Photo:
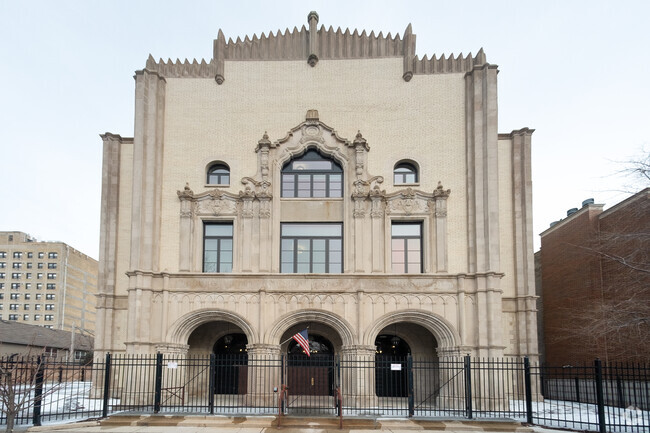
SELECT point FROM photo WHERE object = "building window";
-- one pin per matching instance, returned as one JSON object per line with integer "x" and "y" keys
{"x": 27, "y": 296}
{"x": 41, "y": 255}
{"x": 25, "y": 306}
{"x": 312, "y": 248}
{"x": 37, "y": 317}
{"x": 3, "y": 265}
{"x": 14, "y": 296}
{"x": 3, "y": 254}
{"x": 51, "y": 265}
{"x": 49, "y": 307}
{"x": 18, "y": 255}
{"x": 28, "y": 275}
{"x": 2, "y": 274}
{"x": 311, "y": 175}
{"x": 40, "y": 266}
{"x": 15, "y": 286}
{"x": 405, "y": 172}
{"x": 29, "y": 265}
{"x": 406, "y": 247}
{"x": 13, "y": 317}
{"x": 50, "y": 286}
{"x": 2, "y": 286}
{"x": 219, "y": 174}
{"x": 50, "y": 296}
{"x": 37, "y": 306}
{"x": 17, "y": 265}
{"x": 2, "y": 295}
{"x": 13, "y": 307}
{"x": 47, "y": 326}
{"x": 49, "y": 317}
{"x": 16, "y": 275}
{"x": 25, "y": 316}
{"x": 217, "y": 247}
{"x": 38, "y": 296}
{"x": 39, "y": 286}
{"x": 51, "y": 276}
{"x": 39, "y": 276}
{"x": 52, "y": 255}
{"x": 30, "y": 255}
{"x": 28, "y": 286}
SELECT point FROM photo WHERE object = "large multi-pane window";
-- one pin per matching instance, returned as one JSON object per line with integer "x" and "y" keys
{"x": 406, "y": 247}
{"x": 217, "y": 247}
{"x": 311, "y": 175}
{"x": 312, "y": 248}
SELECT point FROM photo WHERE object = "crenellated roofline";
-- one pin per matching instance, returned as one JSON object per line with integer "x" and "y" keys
{"x": 313, "y": 44}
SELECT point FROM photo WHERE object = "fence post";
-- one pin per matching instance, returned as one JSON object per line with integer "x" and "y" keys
{"x": 409, "y": 382}
{"x": 213, "y": 368}
{"x": 468, "y": 386}
{"x": 529, "y": 391}
{"x": 107, "y": 383}
{"x": 38, "y": 391}
{"x": 158, "y": 383}
{"x": 599, "y": 396}
{"x": 577, "y": 383}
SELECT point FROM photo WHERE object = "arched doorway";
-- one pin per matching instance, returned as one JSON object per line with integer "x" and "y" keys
{"x": 313, "y": 374}
{"x": 391, "y": 375}
{"x": 231, "y": 361}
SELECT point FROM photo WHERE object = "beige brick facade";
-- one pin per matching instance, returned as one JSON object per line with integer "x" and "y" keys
{"x": 366, "y": 103}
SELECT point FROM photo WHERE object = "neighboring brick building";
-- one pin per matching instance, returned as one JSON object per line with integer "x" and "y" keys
{"x": 596, "y": 283}
{"x": 46, "y": 283}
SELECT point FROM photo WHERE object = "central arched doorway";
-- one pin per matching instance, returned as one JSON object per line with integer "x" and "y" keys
{"x": 231, "y": 361}
{"x": 313, "y": 374}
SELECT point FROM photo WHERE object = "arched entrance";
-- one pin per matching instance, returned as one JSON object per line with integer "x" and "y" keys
{"x": 313, "y": 374}
{"x": 231, "y": 361}
{"x": 391, "y": 378}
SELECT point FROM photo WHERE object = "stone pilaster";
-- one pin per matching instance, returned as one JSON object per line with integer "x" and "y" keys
{"x": 523, "y": 242}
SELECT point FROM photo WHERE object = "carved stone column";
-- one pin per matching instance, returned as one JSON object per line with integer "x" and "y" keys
{"x": 263, "y": 373}
{"x": 246, "y": 228}
{"x": 377, "y": 227}
{"x": 186, "y": 228}
{"x": 358, "y": 384}
{"x": 440, "y": 196}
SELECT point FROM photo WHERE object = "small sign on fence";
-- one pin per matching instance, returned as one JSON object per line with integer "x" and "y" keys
{"x": 172, "y": 364}
{"x": 396, "y": 367}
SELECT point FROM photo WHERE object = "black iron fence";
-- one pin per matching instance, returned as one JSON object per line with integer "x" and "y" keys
{"x": 591, "y": 397}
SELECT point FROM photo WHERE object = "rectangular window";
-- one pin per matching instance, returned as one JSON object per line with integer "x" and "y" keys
{"x": 39, "y": 286}
{"x": 2, "y": 295}
{"x": 25, "y": 306}
{"x": 217, "y": 247}
{"x": 25, "y": 316}
{"x": 13, "y": 306}
{"x": 311, "y": 248}
{"x": 51, "y": 286}
{"x": 18, "y": 255}
{"x": 49, "y": 317}
{"x": 2, "y": 286}
{"x": 15, "y": 286}
{"x": 37, "y": 306}
{"x": 3, "y": 265}
{"x": 52, "y": 255}
{"x": 49, "y": 307}
{"x": 38, "y": 296}
{"x": 13, "y": 317}
{"x": 406, "y": 248}
{"x": 27, "y": 296}
{"x": 2, "y": 274}
{"x": 15, "y": 296}
{"x": 28, "y": 286}
{"x": 30, "y": 255}
{"x": 17, "y": 265}
{"x": 51, "y": 276}
{"x": 37, "y": 317}
{"x": 16, "y": 275}
{"x": 51, "y": 265}
{"x": 28, "y": 275}
{"x": 41, "y": 255}
{"x": 39, "y": 276}
{"x": 29, "y": 265}
{"x": 50, "y": 296}
{"x": 3, "y": 254}
{"x": 40, "y": 265}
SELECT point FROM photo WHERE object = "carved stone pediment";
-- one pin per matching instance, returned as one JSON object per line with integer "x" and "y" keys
{"x": 410, "y": 201}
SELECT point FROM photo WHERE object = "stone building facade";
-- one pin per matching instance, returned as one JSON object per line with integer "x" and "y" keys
{"x": 48, "y": 284}
{"x": 595, "y": 283}
{"x": 323, "y": 180}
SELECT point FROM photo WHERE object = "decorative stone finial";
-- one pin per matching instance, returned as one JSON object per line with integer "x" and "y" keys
{"x": 265, "y": 139}
{"x": 312, "y": 15}
{"x": 219, "y": 79}
{"x": 440, "y": 191}
{"x": 312, "y": 115}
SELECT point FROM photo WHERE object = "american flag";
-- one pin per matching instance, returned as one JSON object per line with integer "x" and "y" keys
{"x": 303, "y": 340}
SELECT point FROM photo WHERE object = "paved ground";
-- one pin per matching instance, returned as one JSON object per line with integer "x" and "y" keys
{"x": 200, "y": 424}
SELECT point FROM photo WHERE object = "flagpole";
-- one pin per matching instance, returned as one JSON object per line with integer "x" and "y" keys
{"x": 290, "y": 338}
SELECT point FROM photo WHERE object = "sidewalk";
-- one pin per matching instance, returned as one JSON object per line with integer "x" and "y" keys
{"x": 205, "y": 424}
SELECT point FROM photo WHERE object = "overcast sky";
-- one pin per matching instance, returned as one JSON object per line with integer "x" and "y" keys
{"x": 575, "y": 71}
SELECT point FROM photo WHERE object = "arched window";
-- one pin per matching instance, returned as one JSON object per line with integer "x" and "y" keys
{"x": 405, "y": 172}
{"x": 312, "y": 175}
{"x": 219, "y": 174}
